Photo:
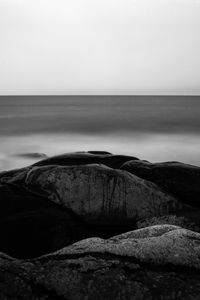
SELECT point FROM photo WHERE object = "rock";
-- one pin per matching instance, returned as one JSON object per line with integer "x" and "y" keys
{"x": 84, "y": 158}
{"x": 159, "y": 262}
{"x": 101, "y": 195}
{"x": 157, "y": 245}
{"x": 31, "y": 225}
{"x": 172, "y": 220}
{"x": 67, "y": 223}
{"x": 68, "y": 159}
{"x": 16, "y": 176}
{"x": 40, "y": 203}
{"x": 16, "y": 199}
{"x": 45, "y": 208}
{"x": 99, "y": 152}
{"x": 181, "y": 180}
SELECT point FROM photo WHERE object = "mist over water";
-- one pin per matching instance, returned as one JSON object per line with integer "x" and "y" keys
{"x": 155, "y": 128}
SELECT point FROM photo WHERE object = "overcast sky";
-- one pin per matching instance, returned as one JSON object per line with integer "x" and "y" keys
{"x": 99, "y": 47}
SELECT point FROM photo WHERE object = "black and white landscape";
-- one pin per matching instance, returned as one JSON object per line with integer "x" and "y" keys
{"x": 99, "y": 150}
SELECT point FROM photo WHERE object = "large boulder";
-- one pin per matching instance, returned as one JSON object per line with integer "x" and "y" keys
{"x": 100, "y": 194}
{"x": 31, "y": 224}
{"x": 68, "y": 159}
{"x": 159, "y": 262}
{"x": 181, "y": 180}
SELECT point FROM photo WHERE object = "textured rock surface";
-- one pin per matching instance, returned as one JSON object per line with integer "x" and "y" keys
{"x": 100, "y": 194}
{"x": 172, "y": 220}
{"x": 181, "y": 180}
{"x": 156, "y": 245}
{"x": 119, "y": 268}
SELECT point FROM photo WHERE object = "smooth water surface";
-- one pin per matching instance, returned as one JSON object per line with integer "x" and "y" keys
{"x": 155, "y": 128}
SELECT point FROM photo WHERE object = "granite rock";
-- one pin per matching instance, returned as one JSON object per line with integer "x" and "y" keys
{"x": 100, "y": 194}
{"x": 159, "y": 262}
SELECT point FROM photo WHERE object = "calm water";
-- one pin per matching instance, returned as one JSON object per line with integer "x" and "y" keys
{"x": 152, "y": 128}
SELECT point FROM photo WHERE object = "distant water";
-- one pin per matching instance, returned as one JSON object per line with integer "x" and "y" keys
{"x": 154, "y": 128}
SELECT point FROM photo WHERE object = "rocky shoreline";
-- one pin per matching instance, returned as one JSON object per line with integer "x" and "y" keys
{"x": 94, "y": 225}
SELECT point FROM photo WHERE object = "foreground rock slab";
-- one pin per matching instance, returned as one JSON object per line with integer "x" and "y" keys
{"x": 157, "y": 245}
{"x": 118, "y": 268}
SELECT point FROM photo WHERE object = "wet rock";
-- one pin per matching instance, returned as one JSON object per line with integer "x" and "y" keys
{"x": 181, "y": 180}
{"x": 100, "y": 194}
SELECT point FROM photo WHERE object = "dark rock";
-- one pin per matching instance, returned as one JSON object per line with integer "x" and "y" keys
{"x": 16, "y": 176}
{"x": 99, "y": 152}
{"x": 159, "y": 262}
{"x": 35, "y": 232}
{"x": 15, "y": 199}
{"x": 101, "y": 195}
{"x": 31, "y": 225}
{"x": 44, "y": 208}
{"x": 181, "y": 180}
{"x": 84, "y": 158}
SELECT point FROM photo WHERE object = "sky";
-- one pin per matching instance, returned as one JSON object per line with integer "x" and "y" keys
{"x": 126, "y": 47}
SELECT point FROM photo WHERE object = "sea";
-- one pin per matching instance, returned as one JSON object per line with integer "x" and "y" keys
{"x": 153, "y": 128}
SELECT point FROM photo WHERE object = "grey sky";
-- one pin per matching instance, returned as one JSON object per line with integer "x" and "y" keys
{"x": 99, "y": 47}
